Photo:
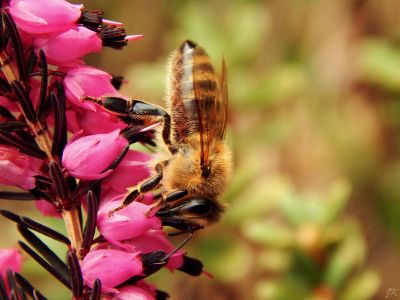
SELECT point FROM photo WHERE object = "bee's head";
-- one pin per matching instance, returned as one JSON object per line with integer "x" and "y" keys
{"x": 190, "y": 213}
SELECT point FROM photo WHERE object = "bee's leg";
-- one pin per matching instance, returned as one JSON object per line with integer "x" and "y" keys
{"x": 146, "y": 186}
{"x": 133, "y": 110}
{"x": 175, "y": 195}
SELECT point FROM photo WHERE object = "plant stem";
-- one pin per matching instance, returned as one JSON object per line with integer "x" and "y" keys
{"x": 74, "y": 231}
{"x": 43, "y": 139}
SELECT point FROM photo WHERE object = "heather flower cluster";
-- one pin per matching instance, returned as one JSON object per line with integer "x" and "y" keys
{"x": 73, "y": 158}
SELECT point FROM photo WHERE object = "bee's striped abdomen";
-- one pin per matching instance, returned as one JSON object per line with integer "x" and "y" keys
{"x": 195, "y": 90}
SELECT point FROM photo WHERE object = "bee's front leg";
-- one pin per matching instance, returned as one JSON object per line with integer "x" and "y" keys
{"x": 172, "y": 196}
{"x": 133, "y": 110}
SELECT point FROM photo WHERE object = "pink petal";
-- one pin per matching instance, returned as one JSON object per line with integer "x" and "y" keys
{"x": 87, "y": 81}
{"x": 136, "y": 292}
{"x": 156, "y": 240}
{"x": 111, "y": 266}
{"x": 88, "y": 157}
{"x": 98, "y": 122}
{"x": 17, "y": 169}
{"x": 132, "y": 169}
{"x": 10, "y": 259}
{"x": 126, "y": 223}
{"x": 47, "y": 209}
{"x": 44, "y": 16}
{"x": 58, "y": 48}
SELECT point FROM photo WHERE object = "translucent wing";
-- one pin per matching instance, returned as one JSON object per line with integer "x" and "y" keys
{"x": 222, "y": 107}
{"x": 198, "y": 98}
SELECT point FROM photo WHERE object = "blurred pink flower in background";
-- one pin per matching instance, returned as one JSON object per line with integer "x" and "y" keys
{"x": 44, "y": 16}
{"x": 10, "y": 259}
{"x": 88, "y": 157}
{"x": 18, "y": 169}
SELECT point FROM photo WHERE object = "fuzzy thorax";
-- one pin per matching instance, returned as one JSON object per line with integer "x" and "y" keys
{"x": 183, "y": 171}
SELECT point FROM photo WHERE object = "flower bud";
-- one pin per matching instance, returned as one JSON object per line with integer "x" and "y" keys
{"x": 87, "y": 81}
{"x": 18, "y": 169}
{"x": 44, "y": 16}
{"x": 131, "y": 170}
{"x": 111, "y": 266}
{"x": 68, "y": 48}
{"x": 126, "y": 223}
{"x": 89, "y": 157}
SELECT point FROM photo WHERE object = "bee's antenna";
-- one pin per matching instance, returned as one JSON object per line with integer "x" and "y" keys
{"x": 179, "y": 246}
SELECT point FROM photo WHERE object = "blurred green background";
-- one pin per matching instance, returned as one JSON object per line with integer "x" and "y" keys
{"x": 314, "y": 208}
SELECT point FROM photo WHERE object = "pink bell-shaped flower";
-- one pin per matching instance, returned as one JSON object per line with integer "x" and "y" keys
{"x": 111, "y": 266}
{"x": 139, "y": 291}
{"x": 94, "y": 122}
{"x": 47, "y": 209}
{"x": 44, "y": 16}
{"x": 156, "y": 240}
{"x": 131, "y": 170}
{"x": 87, "y": 81}
{"x": 89, "y": 157}
{"x": 10, "y": 259}
{"x": 126, "y": 223}
{"x": 18, "y": 169}
{"x": 68, "y": 48}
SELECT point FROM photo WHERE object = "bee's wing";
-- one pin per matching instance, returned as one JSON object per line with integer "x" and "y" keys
{"x": 222, "y": 107}
{"x": 211, "y": 100}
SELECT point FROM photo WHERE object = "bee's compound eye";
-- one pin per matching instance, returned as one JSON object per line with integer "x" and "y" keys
{"x": 198, "y": 207}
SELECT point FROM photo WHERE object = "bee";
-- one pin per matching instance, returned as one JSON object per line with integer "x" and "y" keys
{"x": 197, "y": 167}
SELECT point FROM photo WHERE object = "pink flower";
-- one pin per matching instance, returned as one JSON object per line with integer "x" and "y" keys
{"x": 68, "y": 48}
{"x": 44, "y": 16}
{"x": 89, "y": 157}
{"x": 10, "y": 259}
{"x": 87, "y": 81}
{"x": 18, "y": 169}
{"x": 47, "y": 209}
{"x": 94, "y": 122}
{"x": 132, "y": 169}
{"x": 111, "y": 266}
{"x": 126, "y": 223}
{"x": 72, "y": 121}
{"x": 156, "y": 240}
{"x": 7, "y": 103}
{"x": 140, "y": 291}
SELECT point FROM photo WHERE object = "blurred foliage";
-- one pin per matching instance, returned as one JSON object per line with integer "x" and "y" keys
{"x": 314, "y": 209}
